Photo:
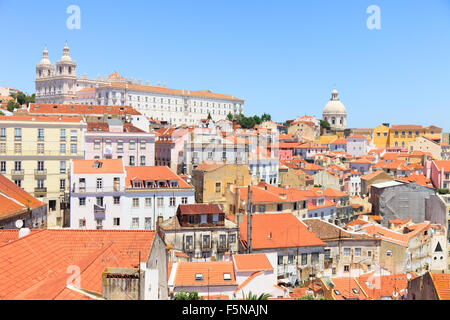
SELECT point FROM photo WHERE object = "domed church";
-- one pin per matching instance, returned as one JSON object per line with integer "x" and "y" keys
{"x": 335, "y": 113}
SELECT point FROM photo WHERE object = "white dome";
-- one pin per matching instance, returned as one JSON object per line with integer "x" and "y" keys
{"x": 45, "y": 60}
{"x": 66, "y": 54}
{"x": 334, "y": 106}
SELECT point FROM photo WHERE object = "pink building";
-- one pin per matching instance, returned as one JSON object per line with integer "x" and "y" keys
{"x": 169, "y": 147}
{"x": 117, "y": 140}
{"x": 439, "y": 173}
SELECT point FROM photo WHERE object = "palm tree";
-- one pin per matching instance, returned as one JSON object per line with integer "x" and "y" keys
{"x": 251, "y": 296}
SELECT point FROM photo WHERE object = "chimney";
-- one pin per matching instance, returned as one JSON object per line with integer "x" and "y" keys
{"x": 122, "y": 284}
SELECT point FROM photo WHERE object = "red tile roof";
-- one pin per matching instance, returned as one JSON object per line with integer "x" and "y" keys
{"x": 106, "y": 166}
{"x": 78, "y": 109}
{"x": 14, "y": 200}
{"x": 282, "y": 230}
{"x": 213, "y": 274}
{"x": 442, "y": 165}
{"x": 252, "y": 262}
{"x": 161, "y": 173}
{"x": 36, "y": 266}
{"x": 41, "y": 118}
{"x": 442, "y": 285}
{"x": 200, "y": 208}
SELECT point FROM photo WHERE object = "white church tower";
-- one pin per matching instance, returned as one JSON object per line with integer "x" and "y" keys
{"x": 65, "y": 78}
{"x": 44, "y": 72}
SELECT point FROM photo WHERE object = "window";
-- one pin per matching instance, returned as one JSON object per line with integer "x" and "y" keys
{"x": 97, "y": 144}
{"x": 357, "y": 252}
{"x": 203, "y": 219}
{"x": 315, "y": 257}
{"x": 18, "y": 183}
{"x": 206, "y": 240}
{"x": 346, "y": 252}
{"x": 227, "y": 276}
{"x": 142, "y": 163}
{"x": 82, "y": 202}
{"x": 280, "y": 260}
{"x": 132, "y": 161}
{"x": 369, "y": 253}
{"x": 148, "y": 202}
{"x": 40, "y": 166}
{"x": 3, "y": 148}
{"x": 62, "y": 135}
{"x": 120, "y": 146}
{"x": 215, "y": 217}
{"x": 232, "y": 238}
{"x": 218, "y": 187}
{"x": 73, "y": 148}
{"x": 116, "y": 222}
{"x": 143, "y": 144}
{"x": 62, "y": 184}
{"x": 116, "y": 200}
{"x": 99, "y": 201}
{"x": 346, "y": 268}
{"x": 40, "y": 148}
{"x": 17, "y": 166}
{"x": 279, "y": 207}
{"x": 62, "y": 148}
{"x": 3, "y": 133}
{"x": 3, "y": 166}
{"x": 304, "y": 259}
{"x": 160, "y": 202}
{"x": 73, "y": 135}
{"x": 148, "y": 223}
{"x": 40, "y": 134}
{"x": 184, "y": 200}
{"x": 17, "y": 148}
{"x": 135, "y": 202}
{"x": 132, "y": 145}
{"x": 99, "y": 183}
{"x": 389, "y": 253}
{"x": 62, "y": 167}
{"x": 290, "y": 259}
{"x": 199, "y": 277}
{"x": 135, "y": 223}
{"x": 18, "y": 134}
{"x": 172, "y": 202}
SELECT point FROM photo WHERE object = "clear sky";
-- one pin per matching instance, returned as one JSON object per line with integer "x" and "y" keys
{"x": 282, "y": 57}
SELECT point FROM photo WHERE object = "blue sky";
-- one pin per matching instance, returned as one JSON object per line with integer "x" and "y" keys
{"x": 283, "y": 57}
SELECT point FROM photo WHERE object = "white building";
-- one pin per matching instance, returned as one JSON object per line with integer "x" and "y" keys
{"x": 61, "y": 85}
{"x": 107, "y": 195}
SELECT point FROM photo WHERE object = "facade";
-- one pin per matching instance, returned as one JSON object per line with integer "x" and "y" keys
{"x": 401, "y": 200}
{"x": 430, "y": 286}
{"x": 211, "y": 180}
{"x": 201, "y": 231}
{"x": 335, "y": 113}
{"x": 35, "y": 152}
{"x": 373, "y": 178}
{"x": 357, "y": 145}
{"x": 427, "y": 145}
{"x": 107, "y": 195}
{"x": 17, "y": 204}
{"x": 169, "y": 147}
{"x": 115, "y": 139}
{"x": 403, "y": 135}
{"x": 439, "y": 173}
{"x": 437, "y": 210}
{"x": 347, "y": 254}
{"x": 264, "y": 166}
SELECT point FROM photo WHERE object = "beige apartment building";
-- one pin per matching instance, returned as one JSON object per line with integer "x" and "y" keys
{"x": 35, "y": 152}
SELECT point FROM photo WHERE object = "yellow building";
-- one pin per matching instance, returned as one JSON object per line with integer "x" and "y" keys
{"x": 402, "y": 135}
{"x": 211, "y": 181}
{"x": 35, "y": 152}
{"x": 381, "y": 136}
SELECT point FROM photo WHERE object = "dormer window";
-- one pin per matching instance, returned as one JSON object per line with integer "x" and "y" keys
{"x": 227, "y": 276}
{"x": 136, "y": 184}
{"x": 199, "y": 277}
{"x": 97, "y": 164}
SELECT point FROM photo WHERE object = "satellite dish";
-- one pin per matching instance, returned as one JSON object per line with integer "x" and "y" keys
{"x": 19, "y": 224}
{"x": 408, "y": 276}
{"x": 395, "y": 294}
{"x": 24, "y": 232}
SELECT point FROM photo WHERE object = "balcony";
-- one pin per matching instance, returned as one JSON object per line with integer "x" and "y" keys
{"x": 189, "y": 247}
{"x": 99, "y": 212}
{"x": 222, "y": 246}
{"x": 206, "y": 245}
{"x": 40, "y": 173}
{"x": 40, "y": 192}
{"x": 17, "y": 173}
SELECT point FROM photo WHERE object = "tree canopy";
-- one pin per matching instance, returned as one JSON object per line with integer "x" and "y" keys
{"x": 249, "y": 122}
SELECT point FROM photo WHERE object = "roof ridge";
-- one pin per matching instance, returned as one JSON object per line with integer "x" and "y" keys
{"x": 28, "y": 235}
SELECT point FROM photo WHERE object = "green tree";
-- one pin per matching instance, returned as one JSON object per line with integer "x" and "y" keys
{"x": 443, "y": 191}
{"x": 325, "y": 124}
{"x": 22, "y": 98}
{"x": 266, "y": 117}
{"x": 310, "y": 297}
{"x": 12, "y": 105}
{"x": 251, "y": 296}
{"x": 183, "y": 295}
{"x": 230, "y": 116}
{"x": 209, "y": 116}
